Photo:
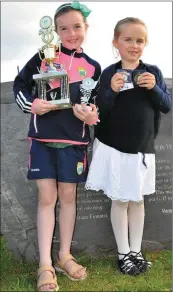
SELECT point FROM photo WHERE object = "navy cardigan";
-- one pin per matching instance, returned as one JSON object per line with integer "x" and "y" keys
{"x": 129, "y": 120}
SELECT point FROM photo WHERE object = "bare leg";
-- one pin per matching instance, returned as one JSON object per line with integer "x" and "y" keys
{"x": 45, "y": 224}
{"x": 67, "y": 217}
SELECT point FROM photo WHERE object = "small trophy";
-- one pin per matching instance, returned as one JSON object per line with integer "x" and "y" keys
{"x": 49, "y": 49}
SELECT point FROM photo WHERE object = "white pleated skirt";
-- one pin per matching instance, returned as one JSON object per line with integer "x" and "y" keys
{"x": 121, "y": 176}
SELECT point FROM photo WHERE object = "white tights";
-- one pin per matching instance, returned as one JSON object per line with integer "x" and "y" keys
{"x": 128, "y": 223}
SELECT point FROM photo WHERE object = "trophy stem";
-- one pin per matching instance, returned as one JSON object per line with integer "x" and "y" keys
{"x": 64, "y": 87}
{"x": 52, "y": 68}
{"x": 42, "y": 89}
{"x": 39, "y": 88}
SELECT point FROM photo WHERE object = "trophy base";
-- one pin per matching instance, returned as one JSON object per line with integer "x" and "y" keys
{"x": 51, "y": 74}
{"x": 63, "y": 103}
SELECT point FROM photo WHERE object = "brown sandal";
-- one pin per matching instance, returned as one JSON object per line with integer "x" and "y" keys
{"x": 60, "y": 267}
{"x": 50, "y": 279}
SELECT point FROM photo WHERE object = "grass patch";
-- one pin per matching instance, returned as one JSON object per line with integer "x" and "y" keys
{"x": 103, "y": 275}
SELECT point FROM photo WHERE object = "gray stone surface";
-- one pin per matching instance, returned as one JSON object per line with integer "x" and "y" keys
{"x": 93, "y": 231}
{"x": 7, "y": 92}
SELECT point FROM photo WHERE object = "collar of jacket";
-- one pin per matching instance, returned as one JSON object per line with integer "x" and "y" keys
{"x": 141, "y": 65}
{"x": 70, "y": 52}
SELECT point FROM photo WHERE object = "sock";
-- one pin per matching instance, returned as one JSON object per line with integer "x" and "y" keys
{"x": 136, "y": 215}
{"x": 119, "y": 222}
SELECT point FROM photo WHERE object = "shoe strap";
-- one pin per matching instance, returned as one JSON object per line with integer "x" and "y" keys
{"x": 138, "y": 255}
{"x": 44, "y": 269}
{"x": 63, "y": 262}
{"x": 124, "y": 254}
{"x": 126, "y": 259}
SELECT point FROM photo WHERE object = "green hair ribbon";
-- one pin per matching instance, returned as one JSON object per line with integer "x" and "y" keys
{"x": 83, "y": 8}
{"x": 77, "y": 6}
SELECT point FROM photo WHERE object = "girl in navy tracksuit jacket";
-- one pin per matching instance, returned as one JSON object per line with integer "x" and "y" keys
{"x": 59, "y": 140}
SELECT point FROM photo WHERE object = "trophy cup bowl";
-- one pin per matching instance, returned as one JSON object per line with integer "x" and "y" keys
{"x": 49, "y": 50}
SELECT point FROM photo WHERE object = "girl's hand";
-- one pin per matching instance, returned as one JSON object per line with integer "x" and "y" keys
{"x": 87, "y": 114}
{"x": 147, "y": 80}
{"x": 41, "y": 107}
{"x": 117, "y": 82}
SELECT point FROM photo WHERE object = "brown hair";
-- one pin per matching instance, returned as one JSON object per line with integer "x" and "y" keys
{"x": 65, "y": 8}
{"x": 128, "y": 20}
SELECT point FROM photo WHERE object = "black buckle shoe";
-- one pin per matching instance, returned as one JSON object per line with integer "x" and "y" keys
{"x": 126, "y": 265}
{"x": 139, "y": 260}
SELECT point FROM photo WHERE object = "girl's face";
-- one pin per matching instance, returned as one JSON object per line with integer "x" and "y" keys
{"x": 71, "y": 28}
{"x": 131, "y": 42}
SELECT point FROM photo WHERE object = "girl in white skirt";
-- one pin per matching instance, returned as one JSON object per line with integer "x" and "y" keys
{"x": 131, "y": 96}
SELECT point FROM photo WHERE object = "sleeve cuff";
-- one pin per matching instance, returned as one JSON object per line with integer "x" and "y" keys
{"x": 92, "y": 121}
{"x": 156, "y": 89}
{"x": 32, "y": 106}
{"x": 112, "y": 92}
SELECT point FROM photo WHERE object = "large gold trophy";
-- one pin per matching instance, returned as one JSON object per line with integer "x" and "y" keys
{"x": 49, "y": 35}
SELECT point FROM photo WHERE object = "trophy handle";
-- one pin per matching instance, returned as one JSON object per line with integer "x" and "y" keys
{"x": 49, "y": 35}
{"x": 39, "y": 53}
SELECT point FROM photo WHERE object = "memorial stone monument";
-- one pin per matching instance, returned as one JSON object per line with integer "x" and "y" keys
{"x": 93, "y": 231}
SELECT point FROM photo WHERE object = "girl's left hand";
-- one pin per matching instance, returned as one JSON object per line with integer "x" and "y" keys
{"x": 147, "y": 80}
{"x": 87, "y": 114}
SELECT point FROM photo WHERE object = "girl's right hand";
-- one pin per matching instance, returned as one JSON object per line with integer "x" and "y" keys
{"x": 41, "y": 107}
{"x": 117, "y": 82}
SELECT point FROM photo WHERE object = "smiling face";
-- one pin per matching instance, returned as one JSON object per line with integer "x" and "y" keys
{"x": 130, "y": 42}
{"x": 71, "y": 28}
